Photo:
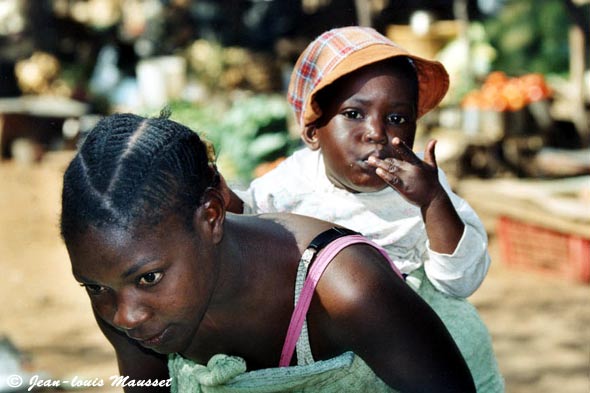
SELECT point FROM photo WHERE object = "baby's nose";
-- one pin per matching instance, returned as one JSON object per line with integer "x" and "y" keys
{"x": 375, "y": 133}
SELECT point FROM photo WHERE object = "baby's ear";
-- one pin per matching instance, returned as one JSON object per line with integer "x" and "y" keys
{"x": 310, "y": 137}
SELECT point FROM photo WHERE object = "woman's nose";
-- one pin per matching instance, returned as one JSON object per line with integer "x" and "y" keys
{"x": 129, "y": 313}
{"x": 375, "y": 132}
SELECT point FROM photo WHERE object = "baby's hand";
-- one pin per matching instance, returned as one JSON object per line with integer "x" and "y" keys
{"x": 415, "y": 179}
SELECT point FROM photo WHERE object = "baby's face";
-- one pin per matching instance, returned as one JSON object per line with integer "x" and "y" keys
{"x": 362, "y": 113}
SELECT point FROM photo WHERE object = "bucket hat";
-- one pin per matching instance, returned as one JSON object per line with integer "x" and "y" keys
{"x": 340, "y": 51}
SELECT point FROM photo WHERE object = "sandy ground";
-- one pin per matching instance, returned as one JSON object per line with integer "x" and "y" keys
{"x": 539, "y": 324}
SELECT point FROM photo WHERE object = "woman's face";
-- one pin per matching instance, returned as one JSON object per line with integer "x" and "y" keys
{"x": 362, "y": 114}
{"x": 153, "y": 284}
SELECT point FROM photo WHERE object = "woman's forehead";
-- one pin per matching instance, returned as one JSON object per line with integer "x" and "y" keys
{"x": 100, "y": 248}
{"x": 117, "y": 247}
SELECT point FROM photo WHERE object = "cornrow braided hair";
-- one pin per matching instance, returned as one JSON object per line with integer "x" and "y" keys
{"x": 132, "y": 170}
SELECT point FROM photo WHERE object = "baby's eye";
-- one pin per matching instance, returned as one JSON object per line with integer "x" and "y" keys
{"x": 396, "y": 119}
{"x": 93, "y": 289}
{"x": 352, "y": 114}
{"x": 150, "y": 279}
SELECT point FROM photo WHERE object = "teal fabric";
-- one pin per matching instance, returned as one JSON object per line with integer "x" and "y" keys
{"x": 227, "y": 374}
{"x": 467, "y": 329}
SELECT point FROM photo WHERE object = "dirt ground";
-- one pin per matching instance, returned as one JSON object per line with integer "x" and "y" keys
{"x": 539, "y": 324}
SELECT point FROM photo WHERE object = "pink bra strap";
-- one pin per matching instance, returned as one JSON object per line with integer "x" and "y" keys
{"x": 322, "y": 260}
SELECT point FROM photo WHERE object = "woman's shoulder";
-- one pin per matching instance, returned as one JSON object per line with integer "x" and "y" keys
{"x": 302, "y": 228}
{"x": 357, "y": 274}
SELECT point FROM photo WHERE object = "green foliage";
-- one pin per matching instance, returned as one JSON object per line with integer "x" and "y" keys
{"x": 530, "y": 36}
{"x": 246, "y": 132}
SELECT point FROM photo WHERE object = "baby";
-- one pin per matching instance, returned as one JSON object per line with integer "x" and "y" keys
{"x": 356, "y": 97}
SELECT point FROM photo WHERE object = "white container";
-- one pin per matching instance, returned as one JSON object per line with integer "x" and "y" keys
{"x": 161, "y": 79}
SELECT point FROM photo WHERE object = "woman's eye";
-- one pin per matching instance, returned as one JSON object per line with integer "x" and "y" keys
{"x": 93, "y": 289}
{"x": 150, "y": 278}
{"x": 396, "y": 119}
{"x": 352, "y": 114}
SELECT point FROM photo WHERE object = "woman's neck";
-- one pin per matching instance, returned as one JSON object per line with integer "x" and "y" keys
{"x": 250, "y": 311}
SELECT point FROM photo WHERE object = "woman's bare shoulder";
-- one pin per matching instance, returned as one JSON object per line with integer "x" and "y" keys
{"x": 303, "y": 228}
{"x": 364, "y": 306}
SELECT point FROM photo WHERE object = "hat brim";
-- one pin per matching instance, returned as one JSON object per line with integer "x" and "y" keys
{"x": 433, "y": 80}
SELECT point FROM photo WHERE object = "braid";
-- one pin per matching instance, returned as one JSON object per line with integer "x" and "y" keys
{"x": 132, "y": 170}
{"x": 101, "y": 150}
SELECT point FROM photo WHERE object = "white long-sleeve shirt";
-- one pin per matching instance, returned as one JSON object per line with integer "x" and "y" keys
{"x": 299, "y": 185}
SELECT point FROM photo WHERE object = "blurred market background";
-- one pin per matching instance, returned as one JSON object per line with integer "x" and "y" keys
{"x": 513, "y": 137}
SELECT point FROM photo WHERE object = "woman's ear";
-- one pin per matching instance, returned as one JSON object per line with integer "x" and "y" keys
{"x": 310, "y": 137}
{"x": 210, "y": 214}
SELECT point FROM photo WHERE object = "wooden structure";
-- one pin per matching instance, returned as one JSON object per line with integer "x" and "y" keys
{"x": 36, "y": 119}
{"x": 541, "y": 225}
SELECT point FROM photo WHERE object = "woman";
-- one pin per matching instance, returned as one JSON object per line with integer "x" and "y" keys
{"x": 177, "y": 284}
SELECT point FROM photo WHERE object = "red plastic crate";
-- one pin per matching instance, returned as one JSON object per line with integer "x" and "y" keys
{"x": 544, "y": 250}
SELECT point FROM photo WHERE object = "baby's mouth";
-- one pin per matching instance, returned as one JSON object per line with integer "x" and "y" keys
{"x": 366, "y": 165}
{"x": 375, "y": 155}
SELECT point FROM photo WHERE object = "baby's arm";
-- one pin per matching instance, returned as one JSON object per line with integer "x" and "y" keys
{"x": 463, "y": 271}
{"x": 458, "y": 259}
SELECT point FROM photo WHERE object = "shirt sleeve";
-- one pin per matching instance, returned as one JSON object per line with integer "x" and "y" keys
{"x": 462, "y": 272}
{"x": 247, "y": 200}
{"x": 257, "y": 198}
{"x": 276, "y": 190}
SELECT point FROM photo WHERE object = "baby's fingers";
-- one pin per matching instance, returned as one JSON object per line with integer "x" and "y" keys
{"x": 378, "y": 162}
{"x": 429, "y": 156}
{"x": 388, "y": 170}
{"x": 403, "y": 152}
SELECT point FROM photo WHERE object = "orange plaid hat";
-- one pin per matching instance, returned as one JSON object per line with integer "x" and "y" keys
{"x": 340, "y": 51}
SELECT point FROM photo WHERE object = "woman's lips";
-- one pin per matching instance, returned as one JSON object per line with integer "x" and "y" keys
{"x": 152, "y": 341}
